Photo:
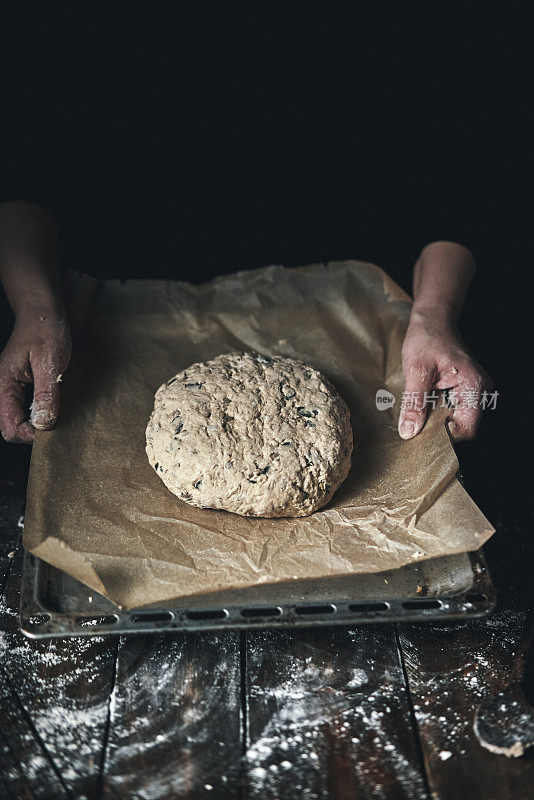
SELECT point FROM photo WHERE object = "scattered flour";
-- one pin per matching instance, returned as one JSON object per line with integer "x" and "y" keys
{"x": 311, "y": 712}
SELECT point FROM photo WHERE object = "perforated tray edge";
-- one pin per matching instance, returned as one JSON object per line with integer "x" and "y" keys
{"x": 38, "y": 622}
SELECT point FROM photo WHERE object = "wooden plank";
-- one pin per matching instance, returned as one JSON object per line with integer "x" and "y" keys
{"x": 62, "y": 687}
{"x": 328, "y": 716}
{"x": 452, "y": 668}
{"x": 7, "y": 773}
{"x": 25, "y": 766}
{"x": 175, "y": 718}
{"x": 37, "y": 778}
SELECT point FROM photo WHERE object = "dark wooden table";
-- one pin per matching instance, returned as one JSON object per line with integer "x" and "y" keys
{"x": 366, "y": 712}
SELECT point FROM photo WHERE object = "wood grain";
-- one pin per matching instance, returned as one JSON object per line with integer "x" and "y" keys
{"x": 328, "y": 716}
{"x": 452, "y": 668}
{"x": 24, "y": 763}
{"x": 175, "y": 718}
{"x": 61, "y": 689}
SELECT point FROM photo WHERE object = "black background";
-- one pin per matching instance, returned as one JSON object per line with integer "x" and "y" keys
{"x": 190, "y": 139}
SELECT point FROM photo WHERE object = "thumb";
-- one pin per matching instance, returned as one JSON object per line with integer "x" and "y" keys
{"x": 45, "y": 406}
{"x": 419, "y": 380}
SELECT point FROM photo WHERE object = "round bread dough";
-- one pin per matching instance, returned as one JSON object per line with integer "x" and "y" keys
{"x": 262, "y": 436}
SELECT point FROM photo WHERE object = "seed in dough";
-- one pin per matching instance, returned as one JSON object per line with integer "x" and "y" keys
{"x": 262, "y": 436}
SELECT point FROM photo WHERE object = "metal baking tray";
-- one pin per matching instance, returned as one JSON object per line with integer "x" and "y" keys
{"x": 440, "y": 589}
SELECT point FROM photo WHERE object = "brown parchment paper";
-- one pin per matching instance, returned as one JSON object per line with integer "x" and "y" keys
{"x": 97, "y": 510}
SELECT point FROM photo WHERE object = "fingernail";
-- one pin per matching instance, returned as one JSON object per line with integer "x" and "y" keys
{"x": 42, "y": 419}
{"x": 407, "y": 429}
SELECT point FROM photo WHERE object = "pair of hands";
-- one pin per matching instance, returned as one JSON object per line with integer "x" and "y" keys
{"x": 434, "y": 357}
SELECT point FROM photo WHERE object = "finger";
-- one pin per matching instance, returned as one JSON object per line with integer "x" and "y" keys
{"x": 419, "y": 378}
{"x": 45, "y": 406}
{"x": 14, "y": 424}
{"x": 467, "y": 412}
{"x": 465, "y": 423}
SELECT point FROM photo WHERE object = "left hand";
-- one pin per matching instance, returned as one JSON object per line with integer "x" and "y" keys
{"x": 435, "y": 357}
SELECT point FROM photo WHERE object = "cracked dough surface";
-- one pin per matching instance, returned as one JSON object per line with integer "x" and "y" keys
{"x": 257, "y": 435}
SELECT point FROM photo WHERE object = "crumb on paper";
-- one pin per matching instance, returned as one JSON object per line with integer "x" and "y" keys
{"x": 58, "y": 379}
{"x": 445, "y": 754}
{"x": 386, "y": 581}
{"x": 90, "y": 598}
{"x": 419, "y": 589}
{"x": 11, "y": 555}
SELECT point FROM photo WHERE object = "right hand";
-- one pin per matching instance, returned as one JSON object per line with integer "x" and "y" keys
{"x": 38, "y": 352}
{"x": 435, "y": 357}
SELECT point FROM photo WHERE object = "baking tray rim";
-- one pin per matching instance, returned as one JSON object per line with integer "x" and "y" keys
{"x": 37, "y": 621}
